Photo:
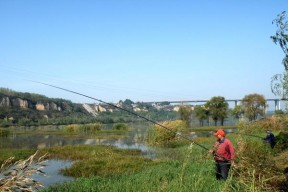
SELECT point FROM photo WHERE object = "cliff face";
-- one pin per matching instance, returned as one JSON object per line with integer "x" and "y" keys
{"x": 16, "y": 102}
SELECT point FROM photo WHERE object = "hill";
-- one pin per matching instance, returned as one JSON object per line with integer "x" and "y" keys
{"x": 34, "y": 109}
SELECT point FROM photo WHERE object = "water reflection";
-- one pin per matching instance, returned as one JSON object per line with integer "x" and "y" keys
{"x": 53, "y": 176}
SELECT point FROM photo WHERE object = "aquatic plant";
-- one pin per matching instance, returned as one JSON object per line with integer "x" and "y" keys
{"x": 85, "y": 128}
{"x": 120, "y": 126}
{"x": 98, "y": 160}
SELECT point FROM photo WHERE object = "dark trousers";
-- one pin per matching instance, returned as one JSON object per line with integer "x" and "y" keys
{"x": 222, "y": 169}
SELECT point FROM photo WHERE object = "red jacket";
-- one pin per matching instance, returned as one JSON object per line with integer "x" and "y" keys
{"x": 223, "y": 148}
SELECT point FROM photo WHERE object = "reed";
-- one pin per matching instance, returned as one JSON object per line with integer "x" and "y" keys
{"x": 18, "y": 176}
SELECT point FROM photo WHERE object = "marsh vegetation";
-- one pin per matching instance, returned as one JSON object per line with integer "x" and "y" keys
{"x": 177, "y": 165}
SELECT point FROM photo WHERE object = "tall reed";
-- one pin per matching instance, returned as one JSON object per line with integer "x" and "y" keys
{"x": 18, "y": 176}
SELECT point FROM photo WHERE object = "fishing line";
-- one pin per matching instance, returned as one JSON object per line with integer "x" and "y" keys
{"x": 128, "y": 111}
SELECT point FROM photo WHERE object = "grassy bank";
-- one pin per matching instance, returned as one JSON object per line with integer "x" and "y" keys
{"x": 189, "y": 169}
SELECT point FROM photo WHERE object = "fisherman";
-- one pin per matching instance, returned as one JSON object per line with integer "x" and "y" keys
{"x": 223, "y": 152}
{"x": 270, "y": 139}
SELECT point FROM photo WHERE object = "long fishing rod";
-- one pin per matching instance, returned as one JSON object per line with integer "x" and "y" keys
{"x": 247, "y": 135}
{"x": 128, "y": 111}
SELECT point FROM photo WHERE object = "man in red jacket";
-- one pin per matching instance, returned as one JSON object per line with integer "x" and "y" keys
{"x": 223, "y": 152}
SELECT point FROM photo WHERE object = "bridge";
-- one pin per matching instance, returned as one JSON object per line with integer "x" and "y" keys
{"x": 236, "y": 102}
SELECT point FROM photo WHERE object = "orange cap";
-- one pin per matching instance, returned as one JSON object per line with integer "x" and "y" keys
{"x": 219, "y": 132}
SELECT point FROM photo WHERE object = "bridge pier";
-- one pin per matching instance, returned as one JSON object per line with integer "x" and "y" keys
{"x": 277, "y": 104}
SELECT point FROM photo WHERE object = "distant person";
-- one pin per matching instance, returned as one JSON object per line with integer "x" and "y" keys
{"x": 223, "y": 152}
{"x": 270, "y": 139}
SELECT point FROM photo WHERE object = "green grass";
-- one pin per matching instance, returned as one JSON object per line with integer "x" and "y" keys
{"x": 183, "y": 168}
{"x": 18, "y": 154}
{"x": 179, "y": 167}
{"x": 193, "y": 171}
{"x": 98, "y": 160}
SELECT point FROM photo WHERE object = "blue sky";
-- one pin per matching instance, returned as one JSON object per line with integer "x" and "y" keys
{"x": 143, "y": 50}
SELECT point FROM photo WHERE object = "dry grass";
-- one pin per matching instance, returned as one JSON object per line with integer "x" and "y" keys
{"x": 18, "y": 176}
{"x": 255, "y": 168}
{"x": 274, "y": 123}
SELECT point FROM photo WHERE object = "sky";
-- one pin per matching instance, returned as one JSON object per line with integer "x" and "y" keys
{"x": 142, "y": 50}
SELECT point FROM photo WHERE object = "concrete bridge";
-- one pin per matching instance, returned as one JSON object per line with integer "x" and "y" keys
{"x": 235, "y": 101}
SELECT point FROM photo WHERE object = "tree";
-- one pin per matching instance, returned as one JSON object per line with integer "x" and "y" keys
{"x": 281, "y": 36}
{"x": 237, "y": 111}
{"x": 185, "y": 113}
{"x": 202, "y": 114}
{"x": 279, "y": 82}
{"x": 279, "y": 85}
{"x": 254, "y": 105}
{"x": 218, "y": 109}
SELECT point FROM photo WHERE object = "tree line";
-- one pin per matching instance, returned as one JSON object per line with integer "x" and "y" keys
{"x": 217, "y": 110}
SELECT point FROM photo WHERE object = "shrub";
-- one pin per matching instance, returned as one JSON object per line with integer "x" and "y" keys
{"x": 255, "y": 167}
{"x": 282, "y": 141}
{"x": 71, "y": 128}
{"x": 120, "y": 126}
{"x": 160, "y": 135}
{"x": 92, "y": 127}
{"x": 4, "y": 133}
{"x": 274, "y": 123}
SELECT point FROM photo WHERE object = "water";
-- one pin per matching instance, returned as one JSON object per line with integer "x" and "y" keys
{"x": 53, "y": 176}
{"x": 31, "y": 140}
{"x": 126, "y": 140}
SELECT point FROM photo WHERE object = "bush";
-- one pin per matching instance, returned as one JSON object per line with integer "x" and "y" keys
{"x": 4, "y": 133}
{"x": 254, "y": 164}
{"x": 120, "y": 126}
{"x": 71, "y": 128}
{"x": 160, "y": 135}
{"x": 91, "y": 128}
{"x": 274, "y": 123}
{"x": 282, "y": 141}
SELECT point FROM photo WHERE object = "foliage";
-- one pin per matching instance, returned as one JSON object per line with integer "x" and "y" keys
{"x": 279, "y": 82}
{"x": 185, "y": 113}
{"x": 237, "y": 111}
{"x": 202, "y": 114}
{"x": 255, "y": 167}
{"x": 159, "y": 135}
{"x": 4, "y": 132}
{"x": 282, "y": 141}
{"x": 281, "y": 35}
{"x": 279, "y": 85}
{"x": 254, "y": 105}
{"x": 120, "y": 127}
{"x": 218, "y": 109}
{"x": 273, "y": 123}
{"x": 84, "y": 128}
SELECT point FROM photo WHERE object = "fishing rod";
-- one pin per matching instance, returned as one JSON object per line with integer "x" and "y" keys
{"x": 128, "y": 111}
{"x": 247, "y": 135}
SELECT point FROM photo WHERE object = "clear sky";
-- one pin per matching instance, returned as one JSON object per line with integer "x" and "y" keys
{"x": 143, "y": 50}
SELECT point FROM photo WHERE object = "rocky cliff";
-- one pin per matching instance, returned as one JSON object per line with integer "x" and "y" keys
{"x": 22, "y": 103}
